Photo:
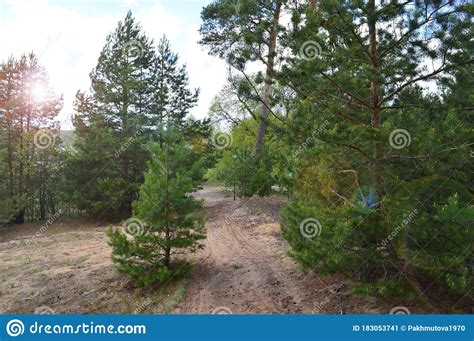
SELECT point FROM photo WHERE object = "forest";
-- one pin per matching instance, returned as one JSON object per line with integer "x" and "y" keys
{"x": 332, "y": 173}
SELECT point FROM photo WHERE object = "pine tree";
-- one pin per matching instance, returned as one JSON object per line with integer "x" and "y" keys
{"x": 135, "y": 90}
{"x": 108, "y": 167}
{"x": 365, "y": 65}
{"x": 28, "y": 130}
{"x": 361, "y": 62}
{"x": 246, "y": 31}
{"x": 166, "y": 221}
{"x": 93, "y": 172}
{"x": 6, "y": 205}
{"x": 172, "y": 96}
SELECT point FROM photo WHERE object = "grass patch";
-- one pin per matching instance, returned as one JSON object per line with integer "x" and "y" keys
{"x": 172, "y": 302}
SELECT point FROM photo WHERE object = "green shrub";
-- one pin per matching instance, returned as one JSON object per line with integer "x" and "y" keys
{"x": 420, "y": 239}
{"x": 437, "y": 246}
{"x": 238, "y": 171}
{"x": 167, "y": 222}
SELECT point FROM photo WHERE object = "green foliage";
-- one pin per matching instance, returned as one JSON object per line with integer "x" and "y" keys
{"x": 261, "y": 181}
{"x": 172, "y": 96}
{"x": 394, "y": 217}
{"x": 341, "y": 78}
{"x": 437, "y": 245}
{"x": 237, "y": 168}
{"x": 7, "y": 209}
{"x": 137, "y": 88}
{"x": 167, "y": 222}
{"x": 424, "y": 238}
{"x": 28, "y": 140}
{"x": 284, "y": 171}
{"x": 229, "y": 34}
{"x": 94, "y": 175}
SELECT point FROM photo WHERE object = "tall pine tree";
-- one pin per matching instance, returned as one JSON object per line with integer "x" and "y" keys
{"x": 112, "y": 116}
{"x": 241, "y": 32}
{"x": 135, "y": 89}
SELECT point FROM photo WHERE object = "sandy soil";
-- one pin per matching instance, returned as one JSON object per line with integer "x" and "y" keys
{"x": 67, "y": 270}
{"x": 244, "y": 268}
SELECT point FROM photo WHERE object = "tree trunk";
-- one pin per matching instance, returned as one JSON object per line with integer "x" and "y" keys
{"x": 10, "y": 160}
{"x": 376, "y": 119}
{"x": 20, "y": 217}
{"x": 51, "y": 203}
{"x": 42, "y": 203}
{"x": 267, "y": 88}
{"x": 167, "y": 260}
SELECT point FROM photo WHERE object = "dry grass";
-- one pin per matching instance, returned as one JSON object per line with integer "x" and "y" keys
{"x": 68, "y": 269}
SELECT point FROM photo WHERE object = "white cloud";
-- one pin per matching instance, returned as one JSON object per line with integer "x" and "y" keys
{"x": 68, "y": 44}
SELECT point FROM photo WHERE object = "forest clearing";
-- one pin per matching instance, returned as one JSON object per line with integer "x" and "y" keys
{"x": 244, "y": 269}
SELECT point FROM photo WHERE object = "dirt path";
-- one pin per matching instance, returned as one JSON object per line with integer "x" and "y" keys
{"x": 245, "y": 269}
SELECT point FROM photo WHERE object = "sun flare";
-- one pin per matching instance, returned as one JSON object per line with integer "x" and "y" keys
{"x": 38, "y": 93}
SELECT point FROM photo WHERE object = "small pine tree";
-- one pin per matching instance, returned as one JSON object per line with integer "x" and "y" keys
{"x": 166, "y": 221}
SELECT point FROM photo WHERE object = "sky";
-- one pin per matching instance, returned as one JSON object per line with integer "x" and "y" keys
{"x": 68, "y": 35}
